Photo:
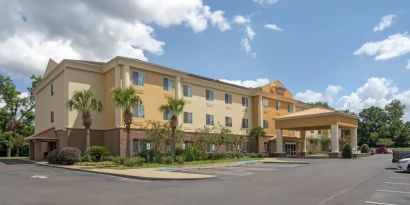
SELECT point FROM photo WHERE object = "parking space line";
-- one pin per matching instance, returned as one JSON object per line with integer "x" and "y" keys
{"x": 373, "y": 202}
{"x": 399, "y": 178}
{"x": 397, "y": 183}
{"x": 391, "y": 191}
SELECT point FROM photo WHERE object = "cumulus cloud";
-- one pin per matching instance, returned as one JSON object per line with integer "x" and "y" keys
{"x": 393, "y": 46}
{"x": 273, "y": 27}
{"x": 385, "y": 22}
{"x": 248, "y": 83}
{"x": 33, "y": 32}
{"x": 310, "y": 96}
{"x": 246, "y": 42}
{"x": 266, "y": 1}
{"x": 239, "y": 19}
{"x": 408, "y": 65}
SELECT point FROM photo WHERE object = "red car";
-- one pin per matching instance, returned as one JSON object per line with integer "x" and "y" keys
{"x": 381, "y": 150}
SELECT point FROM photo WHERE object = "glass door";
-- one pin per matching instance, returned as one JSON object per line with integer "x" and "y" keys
{"x": 290, "y": 149}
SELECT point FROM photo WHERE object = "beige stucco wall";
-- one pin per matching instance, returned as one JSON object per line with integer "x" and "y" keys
{"x": 199, "y": 106}
{"x": 45, "y": 103}
{"x": 109, "y": 108}
{"x": 79, "y": 80}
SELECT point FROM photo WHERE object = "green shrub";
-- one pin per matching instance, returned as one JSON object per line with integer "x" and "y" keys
{"x": 166, "y": 159}
{"x": 97, "y": 152}
{"x": 180, "y": 159}
{"x": 260, "y": 155}
{"x": 194, "y": 153}
{"x": 347, "y": 151}
{"x": 252, "y": 155}
{"x": 69, "y": 155}
{"x": 151, "y": 155}
{"x": 179, "y": 151}
{"x": 134, "y": 161}
{"x": 365, "y": 148}
{"x": 85, "y": 158}
{"x": 118, "y": 160}
{"x": 52, "y": 157}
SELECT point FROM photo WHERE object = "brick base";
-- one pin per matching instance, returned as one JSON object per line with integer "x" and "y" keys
{"x": 334, "y": 155}
{"x": 279, "y": 154}
{"x": 303, "y": 154}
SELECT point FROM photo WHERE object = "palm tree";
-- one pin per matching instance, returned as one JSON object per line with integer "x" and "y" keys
{"x": 85, "y": 102}
{"x": 257, "y": 133}
{"x": 126, "y": 99}
{"x": 175, "y": 107}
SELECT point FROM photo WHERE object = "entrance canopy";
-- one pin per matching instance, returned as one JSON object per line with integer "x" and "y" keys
{"x": 315, "y": 119}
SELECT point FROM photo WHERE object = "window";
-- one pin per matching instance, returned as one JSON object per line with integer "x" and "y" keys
{"x": 186, "y": 144}
{"x": 265, "y": 103}
{"x": 209, "y": 94}
{"x": 265, "y": 124}
{"x": 52, "y": 89}
{"x": 228, "y": 121}
{"x": 187, "y": 117}
{"x": 290, "y": 108}
{"x": 167, "y": 115}
{"x": 52, "y": 116}
{"x": 245, "y": 123}
{"x": 138, "y": 78}
{"x": 139, "y": 111}
{"x": 277, "y": 105}
{"x": 245, "y": 102}
{"x": 210, "y": 148}
{"x": 209, "y": 119}
{"x": 246, "y": 147}
{"x": 187, "y": 90}
{"x": 168, "y": 84}
{"x": 138, "y": 146}
{"x": 228, "y": 98}
{"x": 265, "y": 147}
{"x": 167, "y": 148}
{"x": 229, "y": 148}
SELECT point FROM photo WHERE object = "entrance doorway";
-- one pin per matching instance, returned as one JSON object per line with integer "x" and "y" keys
{"x": 290, "y": 149}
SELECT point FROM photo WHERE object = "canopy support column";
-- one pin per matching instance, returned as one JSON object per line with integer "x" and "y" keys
{"x": 334, "y": 141}
{"x": 279, "y": 144}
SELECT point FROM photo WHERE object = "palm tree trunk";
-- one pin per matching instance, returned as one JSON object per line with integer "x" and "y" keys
{"x": 127, "y": 146}
{"x": 17, "y": 151}
{"x": 9, "y": 147}
{"x": 88, "y": 140}
{"x": 173, "y": 141}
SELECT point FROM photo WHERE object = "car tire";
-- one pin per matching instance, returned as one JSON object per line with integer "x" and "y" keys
{"x": 408, "y": 168}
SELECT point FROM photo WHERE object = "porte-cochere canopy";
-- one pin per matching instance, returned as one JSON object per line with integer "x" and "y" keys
{"x": 315, "y": 119}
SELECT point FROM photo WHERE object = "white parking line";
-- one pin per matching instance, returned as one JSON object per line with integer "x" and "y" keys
{"x": 397, "y": 183}
{"x": 373, "y": 202}
{"x": 399, "y": 178}
{"x": 391, "y": 191}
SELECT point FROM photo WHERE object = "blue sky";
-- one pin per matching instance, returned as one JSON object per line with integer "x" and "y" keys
{"x": 312, "y": 53}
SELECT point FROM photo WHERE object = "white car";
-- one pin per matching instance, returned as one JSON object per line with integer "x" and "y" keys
{"x": 404, "y": 164}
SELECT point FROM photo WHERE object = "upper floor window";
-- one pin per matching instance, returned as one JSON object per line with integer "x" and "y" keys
{"x": 228, "y": 121}
{"x": 265, "y": 124}
{"x": 52, "y": 116}
{"x": 265, "y": 103}
{"x": 277, "y": 105}
{"x": 188, "y": 117}
{"x": 228, "y": 98}
{"x": 187, "y": 90}
{"x": 167, "y": 115}
{"x": 138, "y": 78}
{"x": 245, "y": 101}
{"x": 209, "y": 119}
{"x": 209, "y": 95}
{"x": 290, "y": 108}
{"x": 52, "y": 89}
{"x": 139, "y": 111}
{"x": 168, "y": 84}
{"x": 245, "y": 123}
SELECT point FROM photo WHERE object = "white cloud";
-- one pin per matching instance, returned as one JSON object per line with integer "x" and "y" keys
{"x": 92, "y": 30}
{"x": 248, "y": 83}
{"x": 250, "y": 33}
{"x": 394, "y": 46}
{"x": 266, "y": 1}
{"x": 247, "y": 47}
{"x": 385, "y": 22}
{"x": 408, "y": 64}
{"x": 241, "y": 20}
{"x": 273, "y": 27}
{"x": 310, "y": 96}
{"x": 332, "y": 91}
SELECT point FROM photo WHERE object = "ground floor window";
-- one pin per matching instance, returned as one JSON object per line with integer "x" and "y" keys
{"x": 247, "y": 147}
{"x": 229, "y": 148}
{"x": 138, "y": 146}
{"x": 290, "y": 149}
{"x": 167, "y": 148}
{"x": 209, "y": 148}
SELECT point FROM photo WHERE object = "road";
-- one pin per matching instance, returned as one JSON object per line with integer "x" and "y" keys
{"x": 325, "y": 182}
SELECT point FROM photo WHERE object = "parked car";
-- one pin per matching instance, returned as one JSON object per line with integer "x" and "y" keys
{"x": 398, "y": 155}
{"x": 404, "y": 164}
{"x": 381, "y": 150}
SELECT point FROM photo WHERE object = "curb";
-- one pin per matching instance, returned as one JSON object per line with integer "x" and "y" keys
{"x": 129, "y": 176}
{"x": 285, "y": 162}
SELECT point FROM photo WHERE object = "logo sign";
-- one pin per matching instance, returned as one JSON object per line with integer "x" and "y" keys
{"x": 148, "y": 146}
{"x": 277, "y": 88}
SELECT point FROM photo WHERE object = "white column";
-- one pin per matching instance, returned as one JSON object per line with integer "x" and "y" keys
{"x": 126, "y": 75}
{"x": 260, "y": 117}
{"x": 335, "y": 138}
{"x": 178, "y": 95}
{"x": 303, "y": 140}
{"x": 279, "y": 141}
{"x": 117, "y": 84}
{"x": 353, "y": 138}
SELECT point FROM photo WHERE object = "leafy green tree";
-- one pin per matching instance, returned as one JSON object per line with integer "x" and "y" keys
{"x": 370, "y": 121}
{"x": 314, "y": 141}
{"x": 257, "y": 133}
{"x": 324, "y": 141}
{"x": 175, "y": 107}
{"x": 85, "y": 102}
{"x": 395, "y": 111}
{"x": 126, "y": 99}
{"x": 386, "y": 142}
{"x": 320, "y": 104}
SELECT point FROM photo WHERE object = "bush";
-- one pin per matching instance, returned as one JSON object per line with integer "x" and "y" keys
{"x": 347, "y": 151}
{"x": 166, "y": 159}
{"x": 365, "y": 148}
{"x": 118, "y": 160}
{"x": 69, "y": 155}
{"x": 252, "y": 155}
{"x": 180, "y": 159}
{"x": 134, "y": 161}
{"x": 179, "y": 151}
{"x": 85, "y": 158}
{"x": 260, "y": 155}
{"x": 97, "y": 152}
{"x": 194, "y": 153}
{"x": 52, "y": 157}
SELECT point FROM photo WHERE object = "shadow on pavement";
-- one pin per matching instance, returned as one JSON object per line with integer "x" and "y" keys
{"x": 14, "y": 161}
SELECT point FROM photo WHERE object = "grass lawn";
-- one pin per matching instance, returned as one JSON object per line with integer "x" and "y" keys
{"x": 401, "y": 149}
{"x": 160, "y": 165}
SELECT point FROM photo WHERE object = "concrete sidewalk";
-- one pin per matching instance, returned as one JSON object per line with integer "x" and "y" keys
{"x": 284, "y": 161}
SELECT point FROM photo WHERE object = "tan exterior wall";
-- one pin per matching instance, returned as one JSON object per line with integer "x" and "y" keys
{"x": 45, "y": 103}
{"x": 109, "y": 108}
{"x": 270, "y": 112}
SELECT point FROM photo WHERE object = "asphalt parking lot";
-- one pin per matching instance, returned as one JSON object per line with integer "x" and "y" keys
{"x": 327, "y": 181}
